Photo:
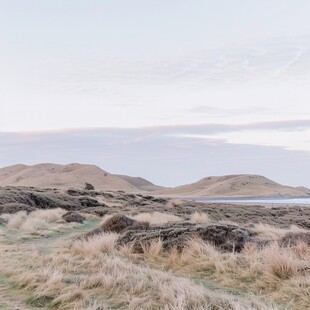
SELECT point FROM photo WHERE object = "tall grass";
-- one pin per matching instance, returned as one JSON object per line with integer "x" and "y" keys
{"x": 96, "y": 273}
{"x": 281, "y": 273}
{"x": 199, "y": 218}
{"x": 154, "y": 218}
{"x": 157, "y": 218}
{"x": 95, "y": 245}
{"x": 37, "y": 221}
{"x": 76, "y": 280}
{"x": 271, "y": 232}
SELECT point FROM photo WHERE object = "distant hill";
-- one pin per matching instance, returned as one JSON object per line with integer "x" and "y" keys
{"x": 63, "y": 176}
{"x": 237, "y": 186}
{"x": 140, "y": 183}
{"x": 76, "y": 175}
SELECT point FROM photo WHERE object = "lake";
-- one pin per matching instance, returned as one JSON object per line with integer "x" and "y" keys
{"x": 263, "y": 201}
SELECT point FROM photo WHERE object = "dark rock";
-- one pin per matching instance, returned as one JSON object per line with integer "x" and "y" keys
{"x": 292, "y": 239}
{"x": 148, "y": 197}
{"x": 45, "y": 199}
{"x": 89, "y": 202}
{"x": 16, "y": 207}
{"x": 98, "y": 231}
{"x": 89, "y": 187}
{"x": 99, "y": 211}
{"x": 51, "y": 200}
{"x": 75, "y": 192}
{"x": 159, "y": 200}
{"x": 75, "y": 217}
{"x": 138, "y": 226}
{"x": 224, "y": 237}
{"x": 80, "y": 192}
{"x": 117, "y": 223}
{"x": 107, "y": 195}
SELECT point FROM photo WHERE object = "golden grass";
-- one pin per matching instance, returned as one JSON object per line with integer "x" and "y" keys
{"x": 279, "y": 273}
{"x": 174, "y": 203}
{"x": 279, "y": 263}
{"x": 39, "y": 221}
{"x": 271, "y": 232}
{"x": 199, "y": 218}
{"x": 76, "y": 280}
{"x": 95, "y": 245}
{"x": 156, "y": 218}
{"x": 94, "y": 274}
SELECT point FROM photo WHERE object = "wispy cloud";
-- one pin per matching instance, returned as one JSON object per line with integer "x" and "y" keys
{"x": 249, "y": 81}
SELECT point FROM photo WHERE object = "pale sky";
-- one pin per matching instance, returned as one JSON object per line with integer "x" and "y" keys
{"x": 77, "y": 64}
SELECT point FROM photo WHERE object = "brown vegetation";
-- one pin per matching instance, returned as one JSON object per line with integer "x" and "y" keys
{"x": 225, "y": 237}
{"x": 153, "y": 254}
{"x": 117, "y": 223}
{"x": 75, "y": 217}
{"x": 293, "y": 239}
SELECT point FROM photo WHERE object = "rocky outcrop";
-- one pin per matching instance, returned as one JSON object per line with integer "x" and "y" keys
{"x": 73, "y": 217}
{"x": 120, "y": 223}
{"x": 117, "y": 224}
{"x": 44, "y": 199}
{"x": 98, "y": 211}
{"x": 11, "y": 208}
{"x": 293, "y": 239}
{"x": 224, "y": 237}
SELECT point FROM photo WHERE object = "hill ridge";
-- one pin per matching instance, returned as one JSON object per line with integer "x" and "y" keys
{"x": 75, "y": 175}
{"x": 62, "y": 176}
{"x": 47, "y": 175}
{"x": 237, "y": 185}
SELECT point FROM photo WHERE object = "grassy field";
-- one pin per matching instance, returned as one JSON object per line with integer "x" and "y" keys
{"x": 39, "y": 270}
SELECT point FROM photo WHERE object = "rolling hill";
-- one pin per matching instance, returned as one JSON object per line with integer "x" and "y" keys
{"x": 237, "y": 186}
{"x": 140, "y": 183}
{"x": 76, "y": 175}
{"x": 63, "y": 176}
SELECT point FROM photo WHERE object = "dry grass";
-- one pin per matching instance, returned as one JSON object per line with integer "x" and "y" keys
{"x": 199, "y": 218}
{"x": 76, "y": 280}
{"x": 157, "y": 218}
{"x": 280, "y": 263}
{"x": 154, "y": 218}
{"x": 50, "y": 216}
{"x": 91, "y": 217}
{"x": 96, "y": 245}
{"x": 270, "y": 232}
{"x": 39, "y": 221}
{"x": 94, "y": 274}
{"x": 16, "y": 220}
{"x": 174, "y": 203}
{"x": 279, "y": 273}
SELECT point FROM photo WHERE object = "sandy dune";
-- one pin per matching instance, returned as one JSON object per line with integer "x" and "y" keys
{"x": 62, "y": 176}
{"x": 237, "y": 186}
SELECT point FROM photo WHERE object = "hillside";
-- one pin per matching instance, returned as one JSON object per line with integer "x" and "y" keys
{"x": 237, "y": 186}
{"x": 140, "y": 183}
{"x": 62, "y": 176}
{"x": 76, "y": 175}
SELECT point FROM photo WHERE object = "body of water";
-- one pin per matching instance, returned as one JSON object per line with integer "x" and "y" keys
{"x": 258, "y": 201}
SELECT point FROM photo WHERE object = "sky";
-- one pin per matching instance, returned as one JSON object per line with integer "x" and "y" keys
{"x": 169, "y": 90}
